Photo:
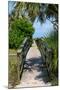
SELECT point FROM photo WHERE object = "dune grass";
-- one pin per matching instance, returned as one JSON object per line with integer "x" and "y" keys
{"x": 13, "y": 74}
{"x": 52, "y": 42}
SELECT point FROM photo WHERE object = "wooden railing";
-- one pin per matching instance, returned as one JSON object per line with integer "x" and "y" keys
{"x": 19, "y": 57}
{"x": 46, "y": 53}
{"x": 21, "y": 54}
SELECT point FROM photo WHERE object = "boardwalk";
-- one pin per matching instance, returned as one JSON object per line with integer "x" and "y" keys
{"x": 35, "y": 72}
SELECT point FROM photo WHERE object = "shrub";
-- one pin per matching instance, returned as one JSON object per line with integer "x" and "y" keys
{"x": 19, "y": 29}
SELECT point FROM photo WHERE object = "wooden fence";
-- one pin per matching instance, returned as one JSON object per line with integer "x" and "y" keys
{"x": 46, "y": 53}
{"x": 20, "y": 57}
{"x": 21, "y": 54}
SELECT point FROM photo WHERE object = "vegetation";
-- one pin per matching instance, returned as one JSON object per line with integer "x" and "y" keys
{"x": 11, "y": 51}
{"x": 13, "y": 74}
{"x": 20, "y": 28}
{"x": 43, "y": 11}
{"x": 52, "y": 42}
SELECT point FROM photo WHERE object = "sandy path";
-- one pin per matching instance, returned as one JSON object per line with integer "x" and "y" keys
{"x": 35, "y": 72}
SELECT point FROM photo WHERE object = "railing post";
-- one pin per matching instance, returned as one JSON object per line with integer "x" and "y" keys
{"x": 49, "y": 58}
{"x": 18, "y": 64}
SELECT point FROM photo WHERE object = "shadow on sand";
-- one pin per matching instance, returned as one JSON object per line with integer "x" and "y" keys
{"x": 39, "y": 65}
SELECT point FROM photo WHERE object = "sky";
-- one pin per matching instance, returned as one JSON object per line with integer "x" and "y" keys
{"x": 41, "y": 30}
{"x": 10, "y": 6}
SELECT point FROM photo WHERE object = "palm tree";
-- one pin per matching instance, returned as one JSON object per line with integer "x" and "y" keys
{"x": 51, "y": 11}
{"x": 32, "y": 10}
